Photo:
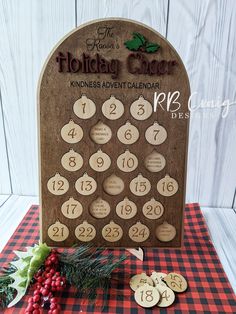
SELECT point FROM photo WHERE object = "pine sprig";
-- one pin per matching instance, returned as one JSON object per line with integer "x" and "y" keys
{"x": 6, "y": 293}
{"x": 88, "y": 269}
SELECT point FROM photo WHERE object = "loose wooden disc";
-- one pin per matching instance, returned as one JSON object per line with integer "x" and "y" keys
{"x": 84, "y": 107}
{"x": 126, "y": 209}
{"x": 176, "y": 282}
{"x": 153, "y": 209}
{"x": 157, "y": 278}
{"x": 127, "y": 161}
{"x": 113, "y": 185}
{"x": 72, "y": 132}
{"x": 72, "y": 208}
{"x": 128, "y": 133}
{"x": 100, "y": 161}
{"x": 139, "y": 232}
{"x": 99, "y": 208}
{"x": 58, "y": 232}
{"x": 58, "y": 185}
{"x": 72, "y": 161}
{"x": 141, "y": 109}
{"x": 155, "y": 162}
{"x": 86, "y": 185}
{"x": 156, "y": 134}
{"x": 140, "y": 186}
{"x": 147, "y": 296}
{"x": 165, "y": 232}
{"x": 167, "y": 296}
{"x": 112, "y": 232}
{"x": 85, "y": 232}
{"x": 167, "y": 186}
{"x": 112, "y": 108}
{"x": 139, "y": 280}
{"x": 100, "y": 133}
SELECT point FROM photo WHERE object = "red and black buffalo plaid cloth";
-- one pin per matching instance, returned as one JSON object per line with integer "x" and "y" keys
{"x": 208, "y": 288}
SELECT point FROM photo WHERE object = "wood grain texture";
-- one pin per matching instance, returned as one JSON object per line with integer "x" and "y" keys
{"x": 4, "y": 198}
{"x": 55, "y": 137}
{"x": 29, "y": 29}
{"x": 221, "y": 225}
{"x": 5, "y": 181}
{"x": 150, "y": 12}
{"x": 11, "y": 214}
{"x": 202, "y": 32}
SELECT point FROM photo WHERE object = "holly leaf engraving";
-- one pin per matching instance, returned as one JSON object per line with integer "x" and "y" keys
{"x": 140, "y": 43}
{"x": 152, "y": 47}
{"x": 140, "y": 37}
{"x": 135, "y": 43}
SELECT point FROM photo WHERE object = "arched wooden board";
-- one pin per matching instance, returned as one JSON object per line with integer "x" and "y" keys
{"x": 91, "y": 86}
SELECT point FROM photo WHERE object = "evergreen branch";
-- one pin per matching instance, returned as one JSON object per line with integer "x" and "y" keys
{"x": 6, "y": 293}
{"x": 88, "y": 269}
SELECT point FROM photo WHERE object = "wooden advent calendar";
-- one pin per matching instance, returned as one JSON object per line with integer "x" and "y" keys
{"x": 113, "y": 101}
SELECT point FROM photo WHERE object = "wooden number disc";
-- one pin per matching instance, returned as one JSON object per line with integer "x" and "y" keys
{"x": 141, "y": 109}
{"x": 85, "y": 232}
{"x": 176, "y": 282}
{"x": 156, "y": 134}
{"x": 72, "y": 161}
{"x": 167, "y": 296}
{"x": 86, "y": 185}
{"x": 71, "y": 209}
{"x": 126, "y": 209}
{"x": 99, "y": 208}
{"x": 165, "y": 232}
{"x": 72, "y": 132}
{"x": 147, "y": 296}
{"x": 139, "y": 280}
{"x": 139, "y": 232}
{"x": 113, "y": 185}
{"x": 100, "y": 133}
{"x": 84, "y": 107}
{"x": 58, "y": 232}
{"x": 100, "y": 161}
{"x": 112, "y": 232}
{"x": 112, "y": 108}
{"x": 58, "y": 185}
{"x": 155, "y": 162}
{"x": 128, "y": 133}
{"x": 127, "y": 161}
{"x": 157, "y": 278}
{"x": 140, "y": 186}
{"x": 167, "y": 186}
{"x": 153, "y": 209}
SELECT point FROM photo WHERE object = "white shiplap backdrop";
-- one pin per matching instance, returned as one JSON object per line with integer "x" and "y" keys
{"x": 202, "y": 31}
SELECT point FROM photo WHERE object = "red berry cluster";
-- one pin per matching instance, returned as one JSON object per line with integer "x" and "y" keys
{"x": 48, "y": 281}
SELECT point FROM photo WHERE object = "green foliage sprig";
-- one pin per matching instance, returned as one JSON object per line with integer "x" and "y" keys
{"x": 6, "y": 292}
{"x": 88, "y": 269}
